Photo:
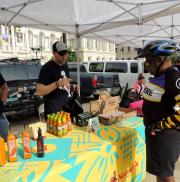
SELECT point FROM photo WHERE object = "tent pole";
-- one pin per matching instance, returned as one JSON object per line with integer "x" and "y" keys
{"x": 21, "y": 4}
{"x": 78, "y": 59}
{"x": 64, "y": 38}
{"x": 17, "y": 13}
{"x": 172, "y": 27}
{"x": 91, "y": 30}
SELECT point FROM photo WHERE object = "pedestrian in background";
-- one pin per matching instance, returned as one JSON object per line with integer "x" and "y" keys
{"x": 139, "y": 85}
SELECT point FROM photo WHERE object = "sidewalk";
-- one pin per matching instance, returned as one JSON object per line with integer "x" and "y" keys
{"x": 151, "y": 178}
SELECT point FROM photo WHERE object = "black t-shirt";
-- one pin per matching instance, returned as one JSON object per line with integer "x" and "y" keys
{"x": 2, "y": 81}
{"x": 49, "y": 73}
{"x": 159, "y": 96}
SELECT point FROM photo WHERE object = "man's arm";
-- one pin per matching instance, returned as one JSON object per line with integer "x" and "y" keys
{"x": 173, "y": 120}
{"x": 4, "y": 89}
{"x": 173, "y": 90}
{"x": 42, "y": 89}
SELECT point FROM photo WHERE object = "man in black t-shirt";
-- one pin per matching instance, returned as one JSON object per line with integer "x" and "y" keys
{"x": 4, "y": 124}
{"x": 161, "y": 109}
{"x": 53, "y": 81}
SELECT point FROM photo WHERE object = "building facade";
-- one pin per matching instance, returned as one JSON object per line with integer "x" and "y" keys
{"x": 93, "y": 49}
{"x": 126, "y": 52}
{"x": 28, "y": 43}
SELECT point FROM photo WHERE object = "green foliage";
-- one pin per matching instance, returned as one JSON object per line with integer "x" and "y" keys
{"x": 71, "y": 55}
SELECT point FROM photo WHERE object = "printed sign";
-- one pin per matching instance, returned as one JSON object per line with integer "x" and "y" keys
{"x": 93, "y": 124}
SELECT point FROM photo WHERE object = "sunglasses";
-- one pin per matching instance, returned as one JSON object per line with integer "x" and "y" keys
{"x": 62, "y": 53}
{"x": 149, "y": 62}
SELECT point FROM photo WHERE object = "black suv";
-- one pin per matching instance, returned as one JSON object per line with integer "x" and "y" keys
{"x": 21, "y": 78}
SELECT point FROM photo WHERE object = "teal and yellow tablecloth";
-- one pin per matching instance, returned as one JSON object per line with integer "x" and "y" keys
{"x": 110, "y": 155}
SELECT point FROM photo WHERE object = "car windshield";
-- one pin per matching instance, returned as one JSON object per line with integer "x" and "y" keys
{"x": 73, "y": 68}
{"x": 96, "y": 67}
{"x": 17, "y": 72}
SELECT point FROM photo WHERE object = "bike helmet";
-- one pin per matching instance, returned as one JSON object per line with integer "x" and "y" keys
{"x": 158, "y": 48}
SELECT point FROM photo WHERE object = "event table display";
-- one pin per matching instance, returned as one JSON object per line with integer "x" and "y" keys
{"x": 113, "y": 153}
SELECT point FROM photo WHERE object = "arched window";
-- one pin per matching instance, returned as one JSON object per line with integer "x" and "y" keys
{"x": 41, "y": 40}
{"x": 47, "y": 42}
{"x": 104, "y": 46}
{"x": 35, "y": 41}
{"x": 52, "y": 39}
{"x": 30, "y": 37}
{"x": 89, "y": 43}
{"x": 97, "y": 44}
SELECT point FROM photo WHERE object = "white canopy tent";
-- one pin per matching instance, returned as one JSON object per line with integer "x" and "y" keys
{"x": 165, "y": 26}
{"x": 82, "y": 17}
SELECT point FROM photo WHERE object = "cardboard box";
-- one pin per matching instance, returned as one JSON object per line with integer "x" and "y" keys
{"x": 122, "y": 115}
{"x": 33, "y": 129}
{"x": 108, "y": 110}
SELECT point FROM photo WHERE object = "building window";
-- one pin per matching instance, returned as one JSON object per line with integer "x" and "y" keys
{"x": 19, "y": 37}
{"x": 135, "y": 49}
{"x": 128, "y": 49}
{"x": 108, "y": 46}
{"x": 41, "y": 40}
{"x": 111, "y": 58}
{"x": 128, "y": 58}
{"x": 52, "y": 39}
{"x": 122, "y": 49}
{"x": 111, "y": 47}
{"x": 97, "y": 44}
{"x": 89, "y": 43}
{"x": 116, "y": 49}
{"x": 47, "y": 42}
{"x": 122, "y": 58}
{"x": 104, "y": 46}
{"x": 30, "y": 36}
{"x": 72, "y": 43}
{"x": 35, "y": 42}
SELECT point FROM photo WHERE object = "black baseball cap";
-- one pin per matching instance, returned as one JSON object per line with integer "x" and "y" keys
{"x": 59, "y": 47}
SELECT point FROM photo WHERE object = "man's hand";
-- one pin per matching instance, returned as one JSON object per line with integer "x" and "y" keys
{"x": 63, "y": 82}
{"x": 154, "y": 129}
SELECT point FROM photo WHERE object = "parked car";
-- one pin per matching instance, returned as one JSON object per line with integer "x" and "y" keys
{"x": 94, "y": 83}
{"x": 21, "y": 79}
{"x": 127, "y": 70}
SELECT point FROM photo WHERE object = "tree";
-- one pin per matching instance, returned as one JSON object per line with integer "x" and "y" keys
{"x": 71, "y": 55}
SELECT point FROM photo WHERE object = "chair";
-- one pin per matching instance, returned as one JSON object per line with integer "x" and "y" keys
{"x": 41, "y": 111}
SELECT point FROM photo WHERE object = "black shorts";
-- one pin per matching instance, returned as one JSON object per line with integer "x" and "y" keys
{"x": 162, "y": 152}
